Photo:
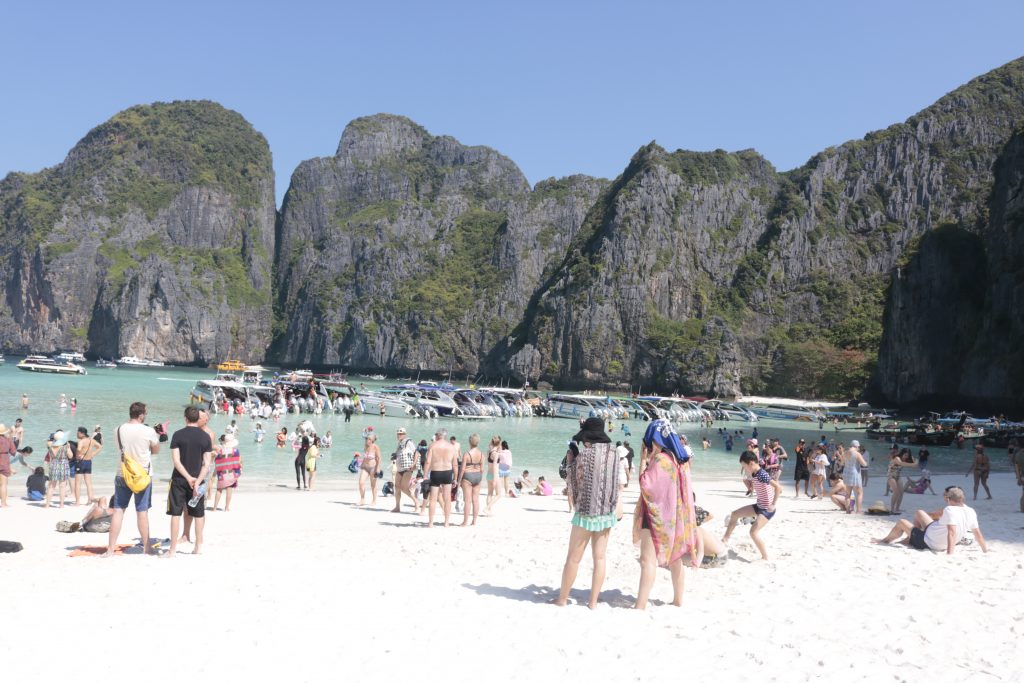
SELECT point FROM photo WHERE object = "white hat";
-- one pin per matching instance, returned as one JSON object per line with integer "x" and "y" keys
{"x": 855, "y": 444}
{"x": 401, "y": 430}
{"x": 3, "y": 429}
{"x": 59, "y": 438}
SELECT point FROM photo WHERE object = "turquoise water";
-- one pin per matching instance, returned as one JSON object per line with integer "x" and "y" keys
{"x": 537, "y": 444}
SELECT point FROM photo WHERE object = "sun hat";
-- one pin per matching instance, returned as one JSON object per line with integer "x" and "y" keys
{"x": 3, "y": 429}
{"x": 752, "y": 443}
{"x": 59, "y": 438}
{"x": 592, "y": 431}
{"x": 878, "y": 508}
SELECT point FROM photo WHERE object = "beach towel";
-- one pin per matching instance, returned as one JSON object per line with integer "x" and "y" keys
{"x": 666, "y": 508}
{"x": 228, "y": 466}
{"x": 97, "y": 550}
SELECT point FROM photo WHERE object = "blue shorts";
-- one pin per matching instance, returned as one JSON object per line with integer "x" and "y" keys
{"x": 84, "y": 467}
{"x": 122, "y": 494}
{"x": 72, "y": 468}
{"x": 504, "y": 471}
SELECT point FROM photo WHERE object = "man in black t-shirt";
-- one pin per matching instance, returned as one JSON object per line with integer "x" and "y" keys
{"x": 192, "y": 452}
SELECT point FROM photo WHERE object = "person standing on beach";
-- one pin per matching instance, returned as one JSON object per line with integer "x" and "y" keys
{"x": 470, "y": 474}
{"x": 665, "y": 521}
{"x": 204, "y": 424}
{"x": 593, "y": 471}
{"x": 369, "y": 465}
{"x": 801, "y": 472}
{"x": 192, "y": 454}
{"x": 60, "y": 454}
{"x": 493, "y": 484}
{"x": 7, "y": 450}
{"x": 87, "y": 450}
{"x": 140, "y": 442}
{"x": 405, "y": 465}
{"x": 17, "y": 434}
{"x": 852, "y": 464}
{"x": 767, "y": 491}
{"x": 300, "y": 464}
{"x": 442, "y": 460}
{"x": 312, "y": 455}
{"x": 980, "y": 468}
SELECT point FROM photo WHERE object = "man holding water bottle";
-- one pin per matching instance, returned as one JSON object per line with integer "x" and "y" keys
{"x": 192, "y": 453}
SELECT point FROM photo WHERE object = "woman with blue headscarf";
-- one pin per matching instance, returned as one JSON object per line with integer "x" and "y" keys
{"x": 665, "y": 523}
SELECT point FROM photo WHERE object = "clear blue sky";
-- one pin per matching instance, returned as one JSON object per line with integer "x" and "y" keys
{"x": 559, "y": 87}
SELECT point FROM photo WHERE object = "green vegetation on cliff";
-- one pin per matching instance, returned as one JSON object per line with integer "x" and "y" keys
{"x": 143, "y": 158}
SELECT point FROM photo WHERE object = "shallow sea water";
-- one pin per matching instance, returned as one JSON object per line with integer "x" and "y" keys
{"x": 537, "y": 444}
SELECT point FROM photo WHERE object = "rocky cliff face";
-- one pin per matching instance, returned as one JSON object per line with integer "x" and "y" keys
{"x": 408, "y": 250}
{"x": 153, "y": 238}
{"x": 711, "y": 273}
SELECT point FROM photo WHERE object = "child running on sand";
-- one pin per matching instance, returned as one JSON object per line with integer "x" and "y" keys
{"x": 767, "y": 490}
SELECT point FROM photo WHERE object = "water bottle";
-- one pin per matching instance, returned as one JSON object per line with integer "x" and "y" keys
{"x": 195, "y": 499}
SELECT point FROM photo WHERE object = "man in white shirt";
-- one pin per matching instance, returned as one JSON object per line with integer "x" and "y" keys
{"x": 138, "y": 441}
{"x": 939, "y": 531}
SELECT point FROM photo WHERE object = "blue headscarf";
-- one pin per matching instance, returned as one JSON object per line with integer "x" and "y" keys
{"x": 663, "y": 434}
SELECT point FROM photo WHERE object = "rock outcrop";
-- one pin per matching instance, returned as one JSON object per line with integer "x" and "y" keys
{"x": 153, "y": 238}
{"x": 413, "y": 251}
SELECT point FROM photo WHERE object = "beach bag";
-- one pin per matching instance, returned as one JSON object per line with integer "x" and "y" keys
{"x": 353, "y": 466}
{"x": 563, "y": 469}
{"x": 389, "y": 488}
{"x": 135, "y": 475}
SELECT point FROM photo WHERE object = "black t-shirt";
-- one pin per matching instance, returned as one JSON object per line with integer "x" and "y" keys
{"x": 191, "y": 443}
{"x": 37, "y": 482}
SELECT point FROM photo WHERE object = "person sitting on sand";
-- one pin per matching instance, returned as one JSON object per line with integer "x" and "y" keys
{"x": 97, "y": 519}
{"x": 764, "y": 509}
{"x": 715, "y": 552}
{"x": 523, "y": 483}
{"x": 927, "y": 533}
{"x": 36, "y": 484}
{"x": 543, "y": 488}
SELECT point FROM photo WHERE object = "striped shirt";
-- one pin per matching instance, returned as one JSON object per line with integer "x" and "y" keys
{"x": 763, "y": 488}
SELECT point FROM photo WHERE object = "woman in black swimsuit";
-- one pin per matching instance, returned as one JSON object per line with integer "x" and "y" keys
{"x": 300, "y": 464}
{"x": 471, "y": 473}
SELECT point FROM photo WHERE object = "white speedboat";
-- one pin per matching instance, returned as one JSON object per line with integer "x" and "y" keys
{"x": 780, "y": 411}
{"x": 50, "y": 365}
{"x": 728, "y": 411}
{"x": 133, "y": 362}
{"x": 70, "y": 357}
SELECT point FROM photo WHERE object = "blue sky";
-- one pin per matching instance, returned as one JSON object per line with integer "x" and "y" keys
{"x": 559, "y": 87}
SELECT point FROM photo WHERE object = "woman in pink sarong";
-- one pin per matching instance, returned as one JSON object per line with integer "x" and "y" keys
{"x": 665, "y": 523}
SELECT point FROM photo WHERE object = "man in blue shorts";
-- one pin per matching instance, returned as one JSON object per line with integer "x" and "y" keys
{"x": 767, "y": 491}
{"x": 137, "y": 441}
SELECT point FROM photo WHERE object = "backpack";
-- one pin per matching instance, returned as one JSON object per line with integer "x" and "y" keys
{"x": 389, "y": 488}
{"x": 353, "y": 466}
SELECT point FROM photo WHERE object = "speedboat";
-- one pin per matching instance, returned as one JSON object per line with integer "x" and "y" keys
{"x": 100, "y": 363}
{"x": 728, "y": 411}
{"x": 133, "y": 362}
{"x": 50, "y": 365}
{"x": 70, "y": 357}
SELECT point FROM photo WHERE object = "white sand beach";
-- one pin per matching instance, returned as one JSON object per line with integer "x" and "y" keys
{"x": 306, "y": 586}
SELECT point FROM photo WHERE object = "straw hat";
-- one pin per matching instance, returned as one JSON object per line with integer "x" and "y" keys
{"x": 878, "y": 508}
{"x": 3, "y": 429}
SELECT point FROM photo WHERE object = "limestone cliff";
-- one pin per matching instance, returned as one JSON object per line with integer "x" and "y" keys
{"x": 409, "y": 250}
{"x": 152, "y": 238}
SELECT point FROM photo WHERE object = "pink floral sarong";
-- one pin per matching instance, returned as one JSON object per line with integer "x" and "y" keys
{"x": 666, "y": 505}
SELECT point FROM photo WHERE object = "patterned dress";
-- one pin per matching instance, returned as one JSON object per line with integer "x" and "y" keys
{"x": 60, "y": 464}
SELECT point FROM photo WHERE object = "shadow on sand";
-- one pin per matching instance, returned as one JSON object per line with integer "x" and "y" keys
{"x": 545, "y": 594}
